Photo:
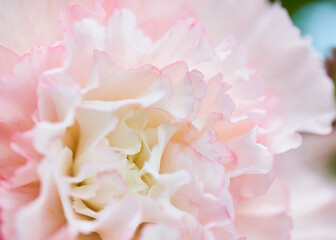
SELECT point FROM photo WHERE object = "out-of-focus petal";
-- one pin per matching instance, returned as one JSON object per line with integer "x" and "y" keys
{"x": 35, "y": 23}
{"x": 285, "y": 62}
{"x": 311, "y": 187}
{"x": 265, "y": 217}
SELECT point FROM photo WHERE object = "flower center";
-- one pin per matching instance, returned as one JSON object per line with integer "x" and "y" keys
{"x": 110, "y": 166}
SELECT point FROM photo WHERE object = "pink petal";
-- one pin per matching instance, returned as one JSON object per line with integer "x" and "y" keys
{"x": 185, "y": 41}
{"x": 155, "y": 17}
{"x": 12, "y": 201}
{"x": 11, "y": 59}
{"x": 159, "y": 231}
{"x": 266, "y": 216}
{"x": 18, "y": 91}
{"x": 311, "y": 188}
{"x": 40, "y": 17}
{"x": 115, "y": 84}
{"x": 46, "y": 210}
{"x": 305, "y": 92}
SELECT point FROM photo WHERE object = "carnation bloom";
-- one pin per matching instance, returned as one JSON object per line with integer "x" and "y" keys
{"x": 152, "y": 119}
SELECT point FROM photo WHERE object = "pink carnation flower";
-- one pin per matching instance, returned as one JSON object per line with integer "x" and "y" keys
{"x": 148, "y": 120}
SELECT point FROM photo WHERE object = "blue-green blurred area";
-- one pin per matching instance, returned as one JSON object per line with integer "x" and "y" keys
{"x": 316, "y": 19}
{"x": 293, "y": 5}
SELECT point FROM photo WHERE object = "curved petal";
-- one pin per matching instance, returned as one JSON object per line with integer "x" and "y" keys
{"x": 286, "y": 63}
{"x": 265, "y": 217}
{"x": 155, "y": 17}
{"x": 35, "y": 23}
{"x": 312, "y": 189}
{"x": 11, "y": 58}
